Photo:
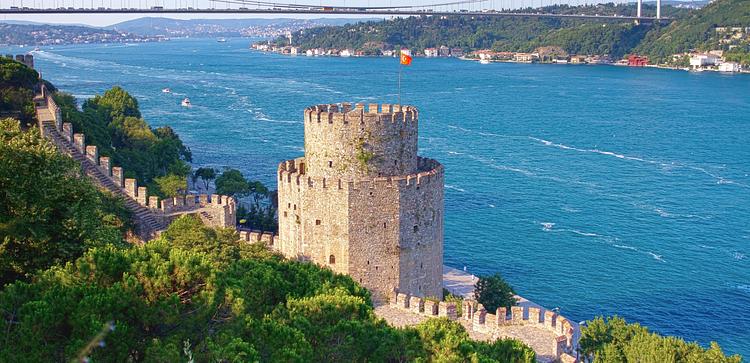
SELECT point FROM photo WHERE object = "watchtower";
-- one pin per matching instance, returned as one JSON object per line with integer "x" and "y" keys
{"x": 362, "y": 202}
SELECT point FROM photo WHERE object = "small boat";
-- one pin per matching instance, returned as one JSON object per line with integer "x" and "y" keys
{"x": 186, "y": 102}
{"x": 221, "y": 40}
{"x": 166, "y": 90}
{"x": 484, "y": 61}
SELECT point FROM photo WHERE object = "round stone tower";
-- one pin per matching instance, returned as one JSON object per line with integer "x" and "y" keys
{"x": 362, "y": 202}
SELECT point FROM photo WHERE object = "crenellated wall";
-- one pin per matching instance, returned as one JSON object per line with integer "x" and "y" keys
{"x": 151, "y": 214}
{"x": 215, "y": 210}
{"x": 346, "y": 142}
{"x": 477, "y": 317}
{"x": 383, "y": 224}
{"x": 26, "y": 59}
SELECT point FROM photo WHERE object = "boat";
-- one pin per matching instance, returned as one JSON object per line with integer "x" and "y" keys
{"x": 166, "y": 90}
{"x": 484, "y": 61}
{"x": 221, "y": 40}
{"x": 186, "y": 102}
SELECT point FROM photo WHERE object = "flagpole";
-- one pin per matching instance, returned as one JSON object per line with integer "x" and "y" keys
{"x": 399, "y": 81}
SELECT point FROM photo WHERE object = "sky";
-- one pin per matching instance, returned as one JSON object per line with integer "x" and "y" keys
{"x": 109, "y": 19}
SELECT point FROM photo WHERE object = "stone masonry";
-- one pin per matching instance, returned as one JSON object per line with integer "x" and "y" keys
{"x": 362, "y": 202}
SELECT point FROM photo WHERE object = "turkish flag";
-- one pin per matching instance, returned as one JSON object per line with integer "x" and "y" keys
{"x": 405, "y": 57}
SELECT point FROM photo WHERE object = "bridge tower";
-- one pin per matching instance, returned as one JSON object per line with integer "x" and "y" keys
{"x": 362, "y": 202}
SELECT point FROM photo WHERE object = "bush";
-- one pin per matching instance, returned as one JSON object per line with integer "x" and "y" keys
{"x": 493, "y": 292}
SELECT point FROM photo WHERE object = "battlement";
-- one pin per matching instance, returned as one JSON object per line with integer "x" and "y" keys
{"x": 26, "y": 59}
{"x": 481, "y": 321}
{"x": 293, "y": 172}
{"x": 150, "y": 213}
{"x": 344, "y": 113}
{"x": 361, "y": 141}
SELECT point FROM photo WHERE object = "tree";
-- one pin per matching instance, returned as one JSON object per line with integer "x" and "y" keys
{"x": 171, "y": 185}
{"x": 206, "y": 175}
{"x": 493, "y": 292}
{"x": 614, "y": 340}
{"x": 232, "y": 183}
{"x": 49, "y": 214}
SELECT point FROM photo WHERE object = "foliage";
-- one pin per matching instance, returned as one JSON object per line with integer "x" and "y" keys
{"x": 258, "y": 208}
{"x": 231, "y": 182}
{"x": 696, "y": 31}
{"x": 494, "y": 292}
{"x": 205, "y": 174}
{"x": 49, "y": 214}
{"x": 170, "y": 186}
{"x": 17, "y": 90}
{"x": 113, "y": 123}
{"x": 200, "y": 292}
{"x": 448, "y": 341}
{"x": 613, "y": 340}
{"x": 517, "y": 34}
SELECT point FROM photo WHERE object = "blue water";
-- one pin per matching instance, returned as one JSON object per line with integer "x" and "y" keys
{"x": 596, "y": 189}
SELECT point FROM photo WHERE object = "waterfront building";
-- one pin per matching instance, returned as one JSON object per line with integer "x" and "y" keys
{"x": 703, "y": 60}
{"x": 444, "y": 51}
{"x": 729, "y": 67}
{"x": 430, "y": 52}
{"x": 457, "y": 52}
{"x": 524, "y": 57}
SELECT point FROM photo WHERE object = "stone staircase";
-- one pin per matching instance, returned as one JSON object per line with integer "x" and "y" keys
{"x": 148, "y": 226}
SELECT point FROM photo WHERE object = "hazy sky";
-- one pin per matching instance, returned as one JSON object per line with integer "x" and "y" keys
{"x": 102, "y": 20}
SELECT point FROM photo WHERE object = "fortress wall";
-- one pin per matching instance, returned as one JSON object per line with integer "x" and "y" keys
{"x": 565, "y": 332}
{"x": 313, "y": 217}
{"x": 421, "y": 232}
{"x": 337, "y": 142}
{"x": 26, "y": 59}
{"x": 374, "y": 227}
{"x": 361, "y": 224}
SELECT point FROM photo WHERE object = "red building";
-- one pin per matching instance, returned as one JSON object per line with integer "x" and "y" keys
{"x": 637, "y": 60}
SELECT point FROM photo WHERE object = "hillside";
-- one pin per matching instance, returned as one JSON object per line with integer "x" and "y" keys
{"x": 43, "y": 34}
{"x": 698, "y": 30}
{"x": 500, "y": 34}
{"x": 152, "y": 26}
{"x": 692, "y": 29}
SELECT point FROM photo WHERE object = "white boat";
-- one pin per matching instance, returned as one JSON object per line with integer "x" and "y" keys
{"x": 166, "y": 90}
{"x": 221, "y": 40}
{"x": 186, "y": 102}
{"x": 484, "y": 61}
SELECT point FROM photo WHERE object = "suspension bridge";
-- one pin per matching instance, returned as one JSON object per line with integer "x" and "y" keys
{"x": 497, "y": 8}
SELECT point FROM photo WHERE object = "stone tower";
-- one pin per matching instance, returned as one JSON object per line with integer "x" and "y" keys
{"x": 362, "y": 202}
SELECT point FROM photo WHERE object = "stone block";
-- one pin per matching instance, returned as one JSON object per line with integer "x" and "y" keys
{"x": 447, "y": 309}
{"x": 92, "y": 153}
{"x": 431, "y": 307}
{"x": 416, "y": 304}
{"x": 516, "y": 314}
{"x": 79, "y": 140}
{"x": 550, "y": 320}
{"x": 105, "y": 165}
{"x": 67, "y": 131}
{"x": 468, "y": 309}
{"x": 402, "y": 301}
{"x": 502, "y": 316}
{"x": 534, "y": 315}
{"x": 153, "y": 202}
{"x": 203, "y": 199}
{"x": 142, "y": 197}
{"x": 480, "y": 315}
{"x": 117, "y": 176}
{"x": 131, "y": 187}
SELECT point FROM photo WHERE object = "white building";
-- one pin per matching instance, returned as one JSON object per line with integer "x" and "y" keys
{"x": 346, "y": 53}
{"x": 729, "y": 67}
{"x": 703, "y": 60}
{"x": 430, "y": 52}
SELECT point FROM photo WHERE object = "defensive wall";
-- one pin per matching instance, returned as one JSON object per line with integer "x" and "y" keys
{"x": 151, "y": 214}
{"x": 361, "y": 201}
{"x": 26, "y": 59}
{"x": 475, "y": 316}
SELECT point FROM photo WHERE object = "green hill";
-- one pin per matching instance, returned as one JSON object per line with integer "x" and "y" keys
{"x": 698, "y": 30}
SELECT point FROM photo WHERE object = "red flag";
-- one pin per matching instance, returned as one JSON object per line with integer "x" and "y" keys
{"x": 405, "y": 57}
